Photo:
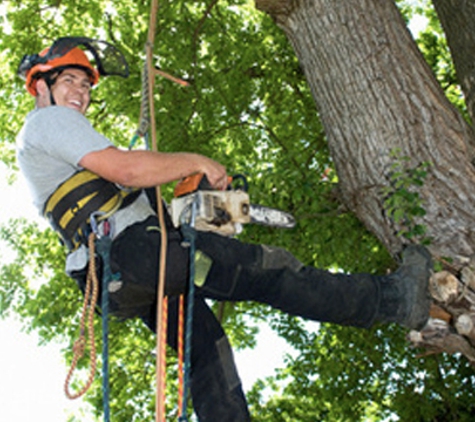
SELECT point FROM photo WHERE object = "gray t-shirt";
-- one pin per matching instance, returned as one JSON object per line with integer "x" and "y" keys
{"x": 50, "y": 145}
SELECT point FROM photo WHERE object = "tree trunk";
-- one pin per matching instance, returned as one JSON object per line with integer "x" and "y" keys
{"x": 376, "y": 94}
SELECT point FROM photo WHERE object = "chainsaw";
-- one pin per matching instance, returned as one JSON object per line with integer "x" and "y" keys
{"x": 223, "y": 212}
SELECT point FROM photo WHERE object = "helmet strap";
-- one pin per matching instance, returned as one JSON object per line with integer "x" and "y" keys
{"x": 50, "y": 81}
{"x": 51, "y": 98}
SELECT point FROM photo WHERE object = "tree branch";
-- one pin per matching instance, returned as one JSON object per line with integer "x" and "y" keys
{"x": 456, "y": 18}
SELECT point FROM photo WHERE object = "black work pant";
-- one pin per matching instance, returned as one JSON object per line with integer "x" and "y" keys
{"x": 239, "y": 272}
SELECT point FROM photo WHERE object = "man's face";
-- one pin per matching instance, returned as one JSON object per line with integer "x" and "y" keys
{"x": 72, "y": 89}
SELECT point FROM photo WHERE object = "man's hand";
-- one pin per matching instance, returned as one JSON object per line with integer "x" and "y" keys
{"x": 215, "y": 172}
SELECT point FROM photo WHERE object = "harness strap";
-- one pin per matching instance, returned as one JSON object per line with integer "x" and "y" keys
{"x": 70, "y": 206}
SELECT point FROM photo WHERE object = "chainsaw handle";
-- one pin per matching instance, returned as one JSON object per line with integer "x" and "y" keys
{"x": 199, "y": 181}
{"x": 243, "y": 179}
{"x": 190, "y": 184}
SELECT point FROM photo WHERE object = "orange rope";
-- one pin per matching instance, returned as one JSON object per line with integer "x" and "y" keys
{"x": 163, "y": 351}
{"x": 80, "y": 343}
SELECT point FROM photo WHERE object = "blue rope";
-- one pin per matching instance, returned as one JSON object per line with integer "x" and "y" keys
{"x": 190, "y": 239}
{"x": 189, "y": 235}
{"x": 103, "y": 246}
{"x": 135, "y": 139}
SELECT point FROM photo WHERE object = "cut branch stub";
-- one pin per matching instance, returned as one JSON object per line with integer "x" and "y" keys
{"x": 465, "y": 325}
{"x": 444, "y": 287}
{"x": 451, "y": 328}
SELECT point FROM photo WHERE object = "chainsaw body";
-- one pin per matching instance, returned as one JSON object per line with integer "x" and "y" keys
{"x": 218, "y": 211}
{"x": 223, "y": 212}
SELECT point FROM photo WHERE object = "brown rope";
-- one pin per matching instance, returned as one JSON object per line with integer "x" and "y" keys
{"x": 161, "y": 300}
{"x": 147, "y": 123}
{"x": 89, "y": 305}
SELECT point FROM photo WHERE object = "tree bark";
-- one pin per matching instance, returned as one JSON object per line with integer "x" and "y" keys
{"x": 375, "y": 94}
{"x": 457, "y": 18}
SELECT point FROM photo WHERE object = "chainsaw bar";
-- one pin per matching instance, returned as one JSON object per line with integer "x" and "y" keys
{"x": 224, "y": 211}
{"x": 271, "y": 217}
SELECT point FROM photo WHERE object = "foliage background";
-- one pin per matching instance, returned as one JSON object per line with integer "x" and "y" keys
{"x": 249, "y": 107}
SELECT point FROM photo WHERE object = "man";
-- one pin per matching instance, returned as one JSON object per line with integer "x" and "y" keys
{"x": 57, "y": 148}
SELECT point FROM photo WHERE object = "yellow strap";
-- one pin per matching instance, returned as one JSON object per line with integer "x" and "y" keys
{"x": 69, "y": 208}
{"x": 76, "y": 180}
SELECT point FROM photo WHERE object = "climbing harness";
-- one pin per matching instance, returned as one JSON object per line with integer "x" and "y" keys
{"x": 69, "y": 208}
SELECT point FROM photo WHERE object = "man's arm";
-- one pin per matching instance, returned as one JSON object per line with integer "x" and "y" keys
{"x": 142, "y": 169}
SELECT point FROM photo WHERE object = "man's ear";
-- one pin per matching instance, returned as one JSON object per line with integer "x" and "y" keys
{"x": 42, "y": 87}
{"x": 43, "y": 97}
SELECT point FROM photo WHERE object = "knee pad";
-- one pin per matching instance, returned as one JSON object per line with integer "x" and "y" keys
{"x": 278, "y": 258}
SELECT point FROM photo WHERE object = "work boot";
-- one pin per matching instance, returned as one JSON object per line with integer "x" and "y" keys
{"x": 405, "y": 296}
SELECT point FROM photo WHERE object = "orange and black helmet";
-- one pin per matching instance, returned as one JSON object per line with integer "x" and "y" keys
{"x": 74, "y": 58}
{"x": 65, "y": 53}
